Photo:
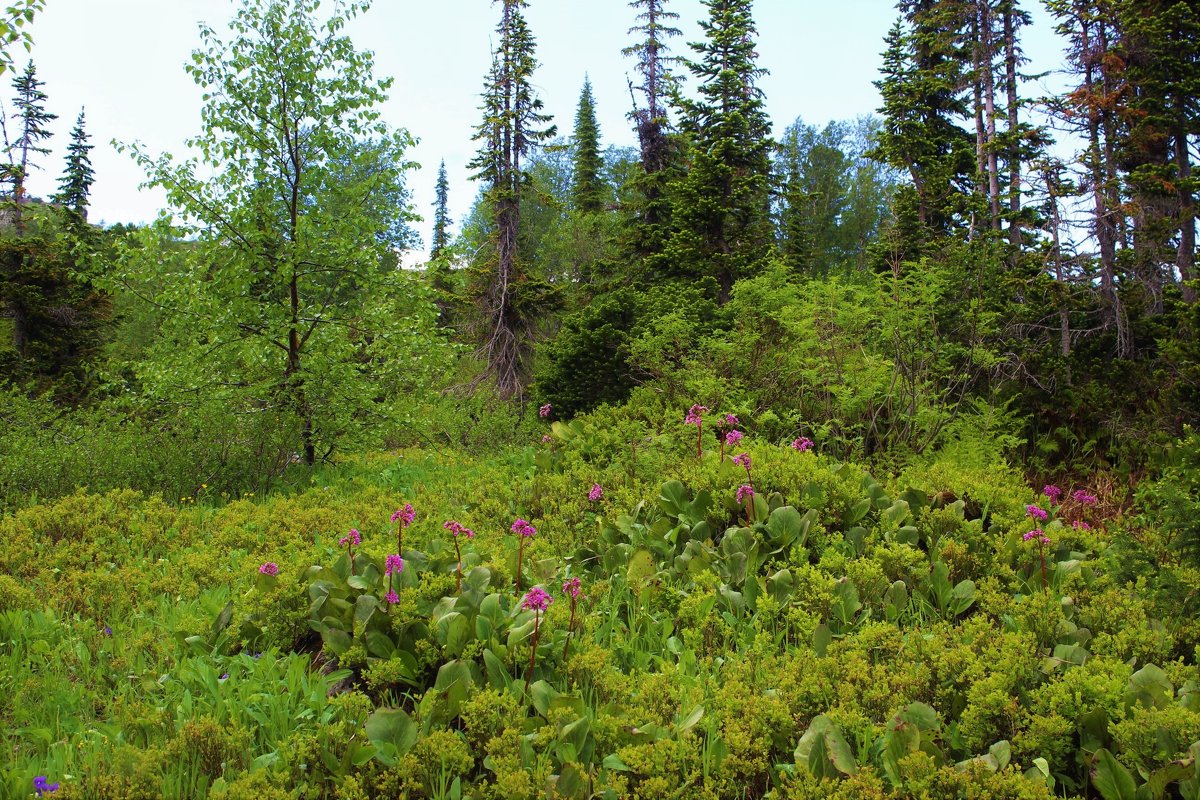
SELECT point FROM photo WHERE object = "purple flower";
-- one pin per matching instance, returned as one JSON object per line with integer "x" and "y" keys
{"x": 1037, "y": 534}
{"x": 536, "y": 599}
{"x": 544, "y": 411}
{"x": 523, "y": 528}
{"x": 1052, "y": 492}
{"x": 458, "y": 529}
{"x": 352, "y": 537}
{"x": 1080, "y": 525}
{"x": 224, "y": 676}
{"x": 394, "y": 564}
{"x": 733, "y": 437}
{"x": 547, "y": 438}
{"x": 695, "y": 415}
{"x": 744, "y": 492}
{"x": 596, "y": 492}
{"x": 404, "y": 515}
{"x": 41, "y": 787}
{"x": 571, "y": 587}
{"x": 742, "y": 460}
{"x": 1083, "y": 498}
{"x": 803, "y": 444}
{"x": 1036, "y": 513}
{"x": 269, "y": 568}
{"x": 731, "y": 420}
{"x": 392, "y": 597}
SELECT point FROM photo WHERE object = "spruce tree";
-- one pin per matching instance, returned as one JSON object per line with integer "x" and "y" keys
{"x": 441, "y": 214}
{"x": 76, "y": 183}
{"x": 722, "y": 226}
{"x": 32, "y": 119}
{"x": 588, "y": 189}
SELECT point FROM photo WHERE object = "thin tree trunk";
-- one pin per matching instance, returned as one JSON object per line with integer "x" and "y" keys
{"x": 989, "y": 100}
{"x": 1014, "y": 125}
{"x": 1185, "y": 258}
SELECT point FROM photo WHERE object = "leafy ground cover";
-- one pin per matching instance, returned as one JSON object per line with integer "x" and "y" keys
{"x": 635, "y": 606}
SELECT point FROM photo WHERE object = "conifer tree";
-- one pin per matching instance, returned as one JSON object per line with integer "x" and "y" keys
{"x": 76, "y": 183}
{"x": 588, "y": 189}
{"x": 722, "y": 225}
{"x": 441, "y": 214}
{"x": 32, "y": 119}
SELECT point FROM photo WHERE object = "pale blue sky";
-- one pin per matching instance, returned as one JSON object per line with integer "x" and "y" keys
{"x": 123, "y": 60}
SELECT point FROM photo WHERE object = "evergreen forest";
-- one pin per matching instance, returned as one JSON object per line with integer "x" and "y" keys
{"x": 759, "y": 459}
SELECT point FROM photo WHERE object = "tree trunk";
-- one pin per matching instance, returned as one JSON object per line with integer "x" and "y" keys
{"x": 1185, "y": 258}
{"x": 1014, "y": 125}
{"x": 987, "y": 45}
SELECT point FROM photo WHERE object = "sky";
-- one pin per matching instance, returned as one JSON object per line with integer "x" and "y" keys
{"x": 122, "y": 60}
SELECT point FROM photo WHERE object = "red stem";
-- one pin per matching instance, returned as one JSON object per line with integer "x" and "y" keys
{"x": 520, "y": 557}
{"x": 537, "y": 619}
{"x": 458, "y": 554}
{"x": 570, "y": 627}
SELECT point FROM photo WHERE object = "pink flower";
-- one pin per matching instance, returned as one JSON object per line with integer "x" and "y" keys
{"x": 744, "y": 493}
{"x": 695, "y": 415}
{"x": 523, "y": 528}
{"x": 596, "y": 492}
{"x": 458, "y": 529}
{"x": 394, "y": 564}
{"x": 731, "y": 420}
{"x": 803, "y": 444}
{"x": 536, "y": 599}
{"x": 544, "y": 411}
{"x": 352, "y": 537}
{"x": 404, "y": 515}
{"x": 1083, "y": 498}
{"x": 547, "y": 438}
{"x": 1036, "y": 513}
{"x": 269, "y": 568}
{"x": 571, "y": 587}
{"x": 733, "y": 437}
{"x": 1052, "y": 492}
{"x": 742, "y": 460}
{"x": 1080, "y": 525}
{"x": 392, "y": 597}
{"x": 1037, "y": 534}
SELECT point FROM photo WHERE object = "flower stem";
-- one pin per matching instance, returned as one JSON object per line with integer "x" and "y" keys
{"x": 458, "y": 554}
{"x": 520, "y": 558}
{"x": 570, "y": 628}
{"x": 533, "y": 651}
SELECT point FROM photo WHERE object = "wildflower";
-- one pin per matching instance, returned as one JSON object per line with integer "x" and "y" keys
{"x": 695, "y": 415}
{"x": 733, "y": 437}
{"x": 596, "y": 492}
{"x": 536, "y": 599}
{"x": 803, "y": 444}
{"x": 404, "y": 515}
{"x": 1083, "y": 498}
{"x": 1080, "y": 525}
{"x": 1052, "y": 492}
{"x": 107, "y": 631}
{"x": 571, "y": 587}
{"x": 392, "y": 597}
{"x": 394, "y": 564}
{"x": 745, "y": 492}
{"x": 457, "y": 529}
{"x": 1037, "y": 534}
{"x": 42, "y": 787}
{"x": 269, "y": 568}
{"x": 571, "y": 590}
{"x": 731, "y": 420}
{"x": 224, "y": 676}
{"x": 1036, "y": 513}
{"x": 544, "y": 411}
{"x": 547, "y": 438}
{"x": 351, "y": 538}
{"x": 524, "y": 528}
{"x": 742, "y": 460}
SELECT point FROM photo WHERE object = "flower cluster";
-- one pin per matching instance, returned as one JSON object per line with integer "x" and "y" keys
{"x": 352, "y": 537}
{"x": 523, "y": 528}
{"x": 544, "y": 411}
{"x": 404, "y": 515}
{"x": 392, "y": 597}
{"x": 1037, "y": 534}
{"x": 1083, "y": 498}
{"x": 742, "y": 460}
{"x": 803, "y": 444}
{"x": 1080, "y": 525}
{"x": 42, "y": 787}
{"x": 269, "y": 568}
{"x": 596, "y": 492}
{"x": 695, "y": 415}
{"x": 731, "y": 420}
{"x": 457, "y": 529}
{"x": 1036, "y": 513}
{"x": 733, "y": 437}
{"x": 394, "y": 564}
{"x": 571, "y": 587}
{"x": 536, "y": 599}
{"x": 1052, "y": 492}
{"x": 547, "y": 438}
{"x": 744, "y": 492}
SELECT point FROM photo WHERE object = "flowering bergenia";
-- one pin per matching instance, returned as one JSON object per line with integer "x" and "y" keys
{"x": 742, "y": 460}
{"x": 596, "y": 492}
{"x": 42, "y": 787}
{"x": 1080, "y": 525}
{"x": 544, "y": 411}
{"x": 731, "y": 420}
{"x": 695, "y": 415}
{"x": 1052, "y": 492}
{"x": 458, "y": 529}
{"x": 571, "y": 587}
{"x": 394, "y": 564}
{"x": 1038, "y": 535}
{"x": 744, "y": 492}
{"x": 523, "y": 528}
{"x": 1036, "y": 513}
{"x": 1083, "y": 498}
{"x": 269, "y": 568}
{"x": 392, "y": 597}
{"x": 405, "y": 515}
{"x": 733, "y": 437}
{"x": 352, "y": 537}
{"x": 536, "y": 599}
{"x": 803, "y": 444}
